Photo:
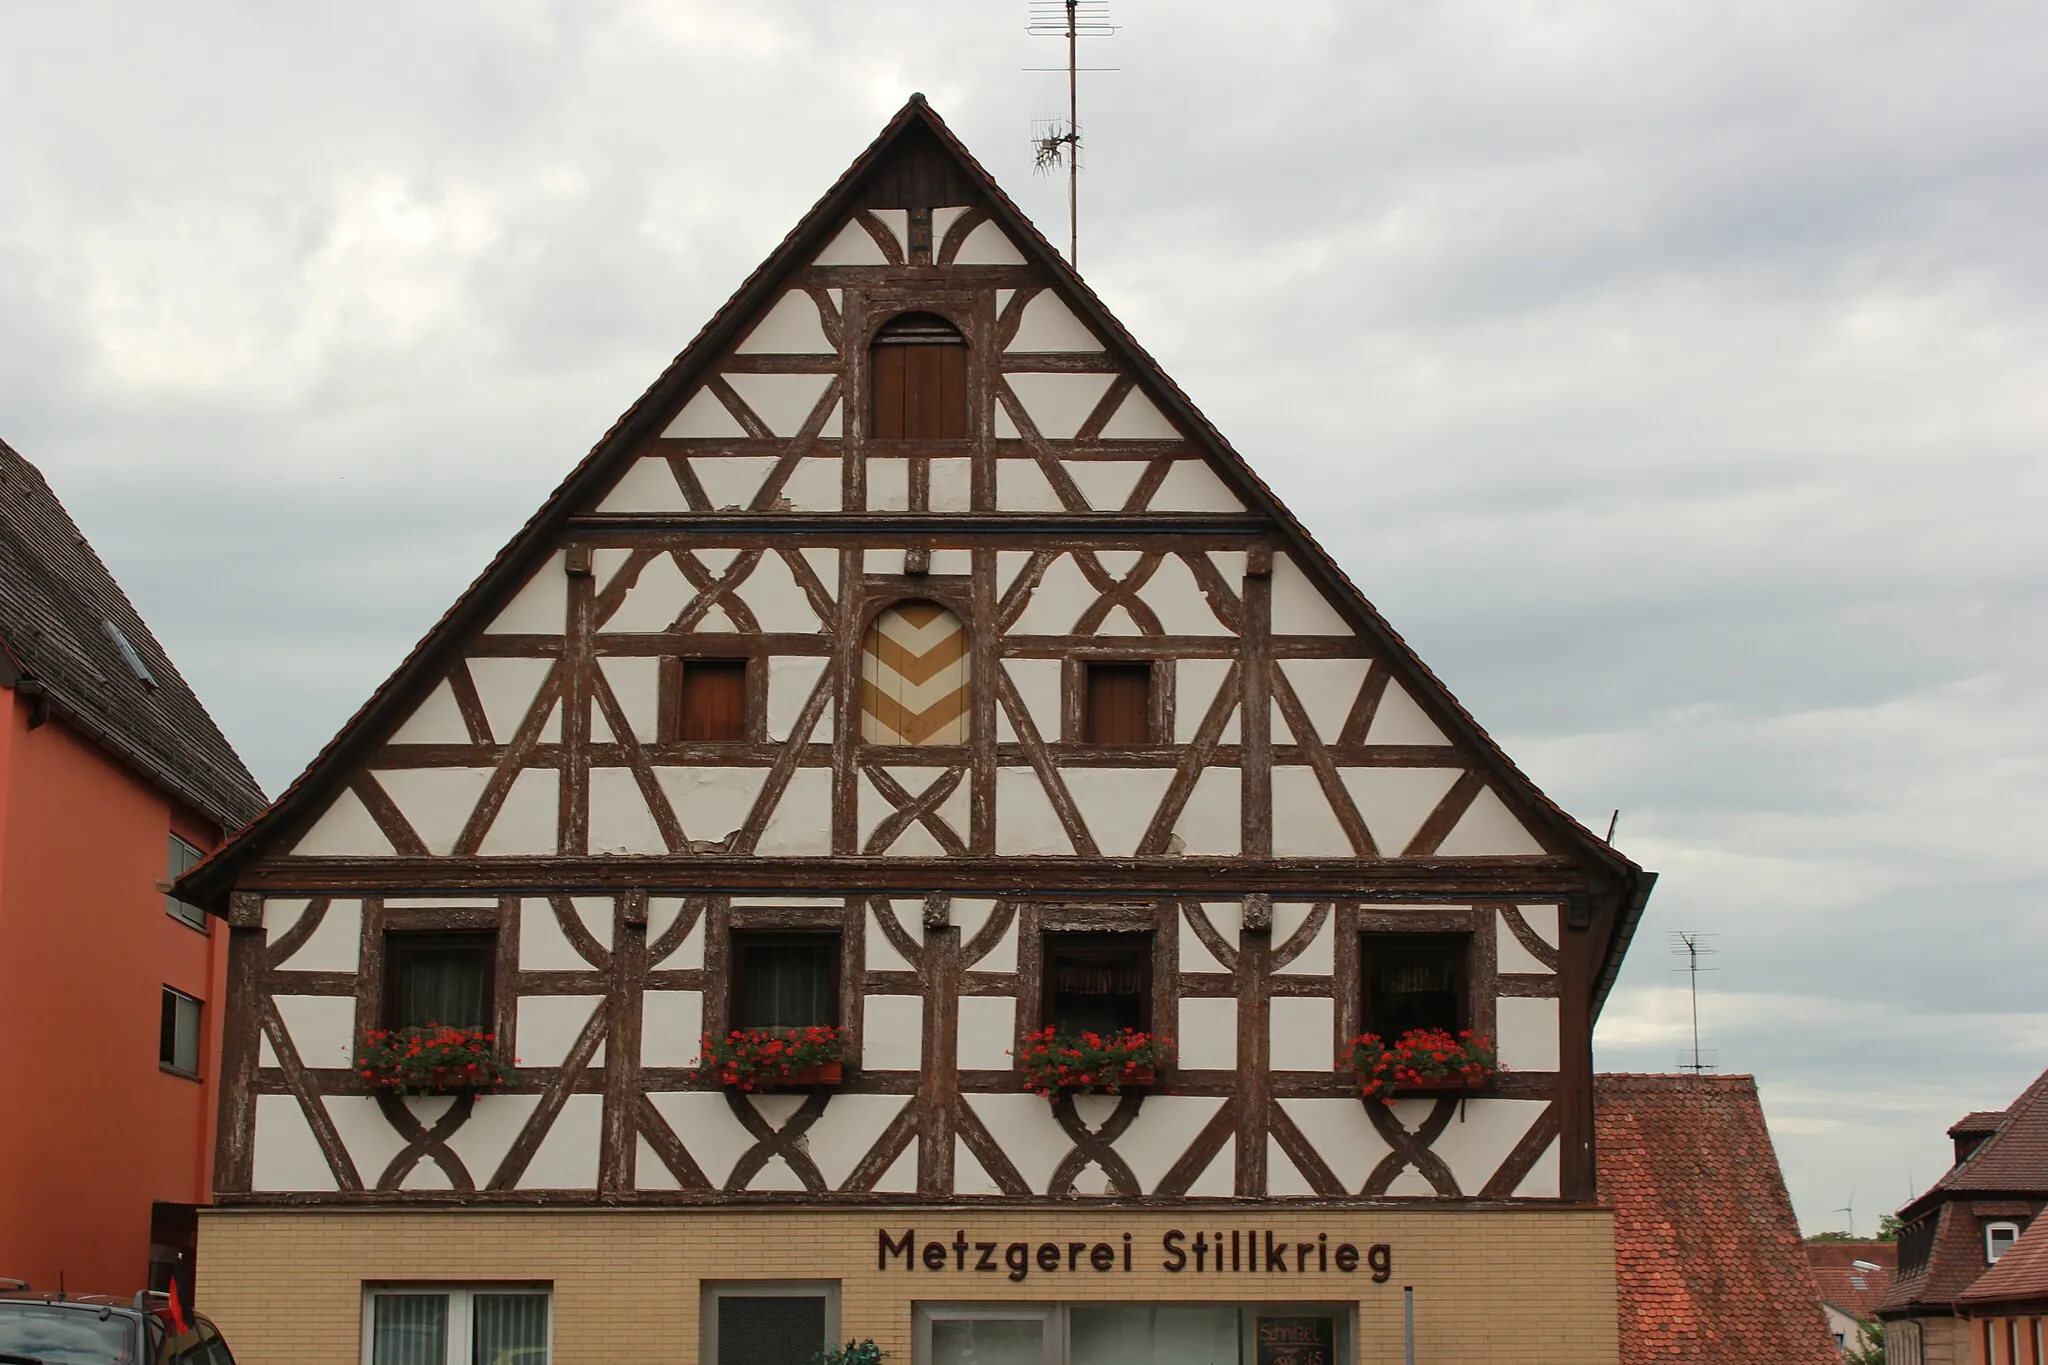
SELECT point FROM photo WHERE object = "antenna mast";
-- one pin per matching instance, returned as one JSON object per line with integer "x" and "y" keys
{"x": 1056, "y": 142}
{"x": 1693, "y": 946}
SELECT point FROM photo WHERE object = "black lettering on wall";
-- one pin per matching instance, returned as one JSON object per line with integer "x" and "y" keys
{"x": 889, "y": 1248}
{"x": 1176, "y": 1259}
{"x": 1381, "y": 1259}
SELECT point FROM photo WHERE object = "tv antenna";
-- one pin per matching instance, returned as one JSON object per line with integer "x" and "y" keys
{"x": 1693, "y": 946}
{"x": 1054, "y": 143}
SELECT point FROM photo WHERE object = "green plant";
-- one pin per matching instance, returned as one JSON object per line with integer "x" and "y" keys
{"x": 1422, "y": 1054}
{"x": 433, "y": 1060}
{"x": 852, "y": 1353}
{"x": 1053, "y": 1061}
{"x": 748, "y": 1058}
{"x": 1869, "y": 1347}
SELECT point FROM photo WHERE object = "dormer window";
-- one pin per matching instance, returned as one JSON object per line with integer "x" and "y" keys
{"x": 1998, "y": 1239}
{"x": 917, "y": 370}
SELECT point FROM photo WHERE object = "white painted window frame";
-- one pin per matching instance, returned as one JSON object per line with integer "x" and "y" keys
{"x": 184, "y": 912}
{"x": 714, "y": 1290}
{"x": 460, "y": 1318}
{"x": 1051, "y": 1314}
{"x": 1059, "y": 1329}
{"x": 1999, "y": 1225}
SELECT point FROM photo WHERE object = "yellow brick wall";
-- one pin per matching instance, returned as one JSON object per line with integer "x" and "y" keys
{"x": 286, "y": 1286}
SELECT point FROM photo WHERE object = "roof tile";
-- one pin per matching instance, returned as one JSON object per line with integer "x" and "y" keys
{"x": 56, "y": 602}
{"x": 1708, "y": 1257}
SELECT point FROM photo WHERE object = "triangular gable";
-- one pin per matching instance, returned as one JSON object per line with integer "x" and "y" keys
{"x": 864, "y": 218}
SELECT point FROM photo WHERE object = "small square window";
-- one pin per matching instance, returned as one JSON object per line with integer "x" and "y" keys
{"x": 439, "y": 978}
{"x": 183, "y": 858}
{"x": 1098, "y": 983}
{"x": 1117, "y": 703}
{"x": 712, "y": 704}
{"x": 784, "y": 980}
{"x": 177, "y": 1045}
{"x": 1415, "y": 981}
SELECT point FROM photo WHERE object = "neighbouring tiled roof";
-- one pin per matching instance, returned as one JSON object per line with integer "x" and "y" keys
{"x": 1709, "y": 1263}
{"x": 56, "y": 599}
{"x": 1976, "y": 1122}
{"x": 2022, "y": 1273}
{"x": 2013, "y": 1160}
{"x": 1842, "y": 1283}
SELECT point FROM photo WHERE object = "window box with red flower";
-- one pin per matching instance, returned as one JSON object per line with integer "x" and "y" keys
{"x": 1420, "y": 1062}
{"x": 433, "y": 1060}
{"x": 1052, "y": 1061}
{"x": 773, "y": 1058}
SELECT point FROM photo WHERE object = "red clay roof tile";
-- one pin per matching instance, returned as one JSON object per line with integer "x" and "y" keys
{"x": 1709, "y": 1263}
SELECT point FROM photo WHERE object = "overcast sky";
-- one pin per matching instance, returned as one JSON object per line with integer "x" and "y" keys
{"x": 1673, "y": 375}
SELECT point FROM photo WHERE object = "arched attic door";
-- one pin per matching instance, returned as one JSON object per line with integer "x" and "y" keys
{"x": 914, "y": 682}
{"x": 917, "y": 370}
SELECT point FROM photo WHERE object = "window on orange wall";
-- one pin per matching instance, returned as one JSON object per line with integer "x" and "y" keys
{"x": 183, "y": 858}
{"x": 177, "y": 1047}
{"x": 918, "y": 378}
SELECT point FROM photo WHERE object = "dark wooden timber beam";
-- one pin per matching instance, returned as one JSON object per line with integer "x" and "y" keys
{"x": 1432, "y": 879}
{"x": 1023, "y": 526}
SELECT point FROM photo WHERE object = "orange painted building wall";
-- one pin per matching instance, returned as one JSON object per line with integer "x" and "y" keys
{"x": 92, "y": 1130}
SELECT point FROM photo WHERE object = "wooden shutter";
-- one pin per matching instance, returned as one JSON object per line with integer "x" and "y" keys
{"x": 714, "y": 700}
{"x": 914, "y": 677}
{"x": 918, "y": 380}
{"x": 1119, "y": 704}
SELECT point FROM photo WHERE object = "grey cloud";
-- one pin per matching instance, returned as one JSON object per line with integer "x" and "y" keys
{"x": 1672, "y": 376}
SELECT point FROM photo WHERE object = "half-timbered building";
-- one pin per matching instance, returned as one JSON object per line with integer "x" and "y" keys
{"x": 913, "y": 659}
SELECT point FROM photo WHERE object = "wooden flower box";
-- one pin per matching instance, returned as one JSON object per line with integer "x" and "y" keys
{"x": 824, "y": 1073}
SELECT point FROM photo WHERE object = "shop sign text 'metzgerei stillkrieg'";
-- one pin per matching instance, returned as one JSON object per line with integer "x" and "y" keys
{"x": 1241, "y": 1251}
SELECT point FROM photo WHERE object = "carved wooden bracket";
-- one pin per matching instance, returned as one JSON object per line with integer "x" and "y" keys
{"x": 1258, "y": 913}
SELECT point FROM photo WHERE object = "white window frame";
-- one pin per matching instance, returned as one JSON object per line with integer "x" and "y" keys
{"x": 184, "y": 912}
{"x": 714, "y": 1290}
{"x": 460, "y": 1315}
{"x": 198, "y": 1014}
{"x": 1054, "y": 1335}
{"x": 2001, "y": 1225}
{"x": 1059, "y": 1326}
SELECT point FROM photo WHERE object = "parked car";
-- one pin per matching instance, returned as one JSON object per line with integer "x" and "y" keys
{"x": 96, "y": 1330}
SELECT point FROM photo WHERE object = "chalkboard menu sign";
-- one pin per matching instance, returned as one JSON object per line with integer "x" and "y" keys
{"x": 1297, "y": 1340}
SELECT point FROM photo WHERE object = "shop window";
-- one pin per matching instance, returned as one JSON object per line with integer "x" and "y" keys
{"x": 784, "y": 980}
{"x": 1098, "y": 983}
{"x": 712, "y": 704}
{"x": 439, "y": 978}
{"x": 1998, "y": 1239}
{"x": 1130, "y": 1333}
{"x": 177, "y": 1047}
{"x": 454, "y": 1325}
{"x": 918, "y": 369}
{"x": 1117, "y": 703}
{"x": 1415, "y": 981}
{"x": 184, "y": 857}
{"x": 769, "y": 1323}
{"x": 914, "y": 677}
